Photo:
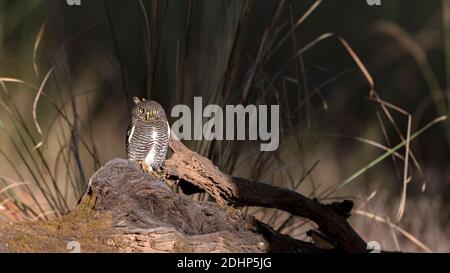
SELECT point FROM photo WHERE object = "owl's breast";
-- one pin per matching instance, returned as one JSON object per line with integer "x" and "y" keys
{"x": 148, "y": 142}
{"x": 140, "y": 141}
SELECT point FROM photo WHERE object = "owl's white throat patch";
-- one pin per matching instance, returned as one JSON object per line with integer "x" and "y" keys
{"x": 150, "y": 157}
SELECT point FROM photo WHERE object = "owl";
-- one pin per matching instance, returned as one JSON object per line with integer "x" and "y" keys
{"x": 148, "y": 134}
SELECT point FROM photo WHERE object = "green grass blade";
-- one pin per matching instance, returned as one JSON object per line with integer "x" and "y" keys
{"x": 390, "y": 152}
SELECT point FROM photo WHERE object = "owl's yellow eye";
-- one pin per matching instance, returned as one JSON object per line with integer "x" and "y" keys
{"x": 154, "y": 112}
{"x": 141, "y": 110}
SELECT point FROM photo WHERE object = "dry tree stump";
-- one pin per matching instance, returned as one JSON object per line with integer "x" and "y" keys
{"x": 127, "y": 210}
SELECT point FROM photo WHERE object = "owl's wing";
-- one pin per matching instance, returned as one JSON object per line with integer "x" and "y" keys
{"x": 168, "y": 131}
{"x": 130, "y": 131}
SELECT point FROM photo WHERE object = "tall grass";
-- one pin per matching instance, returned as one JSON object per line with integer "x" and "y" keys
{"x": 48, "y": 191}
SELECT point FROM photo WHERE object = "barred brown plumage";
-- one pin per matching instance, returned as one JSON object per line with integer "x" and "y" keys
{"x": 148, "y": 134}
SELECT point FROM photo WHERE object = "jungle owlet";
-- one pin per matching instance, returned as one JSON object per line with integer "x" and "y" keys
{"x": 148, "y": 134}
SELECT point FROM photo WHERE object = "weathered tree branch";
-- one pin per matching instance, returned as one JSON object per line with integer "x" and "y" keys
{"x": 185, "y": 165}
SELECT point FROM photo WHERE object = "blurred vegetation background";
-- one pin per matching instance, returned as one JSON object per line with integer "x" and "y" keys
{"x": 352, "y": 82}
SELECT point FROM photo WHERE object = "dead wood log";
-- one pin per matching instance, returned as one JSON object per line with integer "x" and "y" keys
{"x": 186, "y": 166}
{"x": 128, "y": 210}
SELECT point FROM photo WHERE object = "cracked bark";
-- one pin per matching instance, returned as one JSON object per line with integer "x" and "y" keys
{"x": 190, "y": 169}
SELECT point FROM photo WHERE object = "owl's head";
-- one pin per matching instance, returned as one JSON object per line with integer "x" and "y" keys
{"x": 147, "y": 110}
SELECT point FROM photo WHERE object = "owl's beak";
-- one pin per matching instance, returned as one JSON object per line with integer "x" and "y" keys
{"x": 147, "y": 115}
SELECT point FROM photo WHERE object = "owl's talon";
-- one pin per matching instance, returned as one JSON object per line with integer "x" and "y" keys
{"x": 147, "y": 169}
{"x": 141, "y": 164}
